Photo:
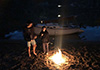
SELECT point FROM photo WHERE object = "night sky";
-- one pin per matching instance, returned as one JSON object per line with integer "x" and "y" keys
{"x": 15, "y": 13}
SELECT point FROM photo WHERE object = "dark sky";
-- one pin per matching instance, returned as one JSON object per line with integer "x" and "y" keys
{"x": 14, "y": 13}
{"x": 21, "y": 10}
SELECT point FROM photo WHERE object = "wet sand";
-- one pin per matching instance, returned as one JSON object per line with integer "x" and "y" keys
{"x": 14, "y": 56}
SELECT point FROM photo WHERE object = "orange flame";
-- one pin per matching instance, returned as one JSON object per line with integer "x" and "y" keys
{"x": 57, "y": 58}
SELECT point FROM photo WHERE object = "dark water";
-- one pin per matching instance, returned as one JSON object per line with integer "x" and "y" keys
{"x": 89, "y": 34}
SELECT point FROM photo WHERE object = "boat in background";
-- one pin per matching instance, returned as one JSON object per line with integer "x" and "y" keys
{"x": 55, "y": 29}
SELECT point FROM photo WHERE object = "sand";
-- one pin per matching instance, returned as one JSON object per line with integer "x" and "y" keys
{"x": 82, "y": 56}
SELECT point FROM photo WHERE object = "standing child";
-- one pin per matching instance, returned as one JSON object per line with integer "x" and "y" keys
{"x": 30, "y": 37}
{"x": 44, "y": 35}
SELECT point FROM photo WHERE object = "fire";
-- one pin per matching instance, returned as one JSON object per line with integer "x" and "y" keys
{"x": 58, "y": 58}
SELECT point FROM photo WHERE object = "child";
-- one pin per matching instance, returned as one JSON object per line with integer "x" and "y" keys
{"x": 44, "y": 35}
{"x": 30, "y": 37}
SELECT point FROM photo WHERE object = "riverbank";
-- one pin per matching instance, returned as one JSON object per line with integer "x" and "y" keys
{"x": 14, "y": 56}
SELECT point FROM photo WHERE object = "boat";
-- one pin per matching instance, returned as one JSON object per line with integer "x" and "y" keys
{"x": 55, "y": 29}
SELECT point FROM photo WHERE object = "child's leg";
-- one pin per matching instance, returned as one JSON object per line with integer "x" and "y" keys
{"x": 29, "y": 52}
{"x": 29, "y": 48}
{"x": 34, "y": 47}
{"x": 44, "y": 47}
{"x": 47, "y": 47}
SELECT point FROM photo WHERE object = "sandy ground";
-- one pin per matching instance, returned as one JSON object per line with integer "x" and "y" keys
{"x": 82, "y": 56}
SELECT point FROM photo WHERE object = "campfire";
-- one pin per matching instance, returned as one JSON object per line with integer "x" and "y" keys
{"x": 59, "y": 58}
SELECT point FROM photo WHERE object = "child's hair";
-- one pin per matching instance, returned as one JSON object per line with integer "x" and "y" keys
{"x": 43, "y": 27}
{"x": 29, "y": 22}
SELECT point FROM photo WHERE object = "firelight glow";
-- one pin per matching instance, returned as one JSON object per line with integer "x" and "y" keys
{"x": 57, "y": 58}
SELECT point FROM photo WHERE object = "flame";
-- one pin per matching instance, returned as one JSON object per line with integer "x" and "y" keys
{"x": 57, "y": 58}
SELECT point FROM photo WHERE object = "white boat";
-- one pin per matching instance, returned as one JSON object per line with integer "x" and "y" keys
{"x": 57, "y": 30}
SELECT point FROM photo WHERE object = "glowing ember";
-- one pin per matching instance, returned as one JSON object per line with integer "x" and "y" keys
{"x": 58, "y": 58}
